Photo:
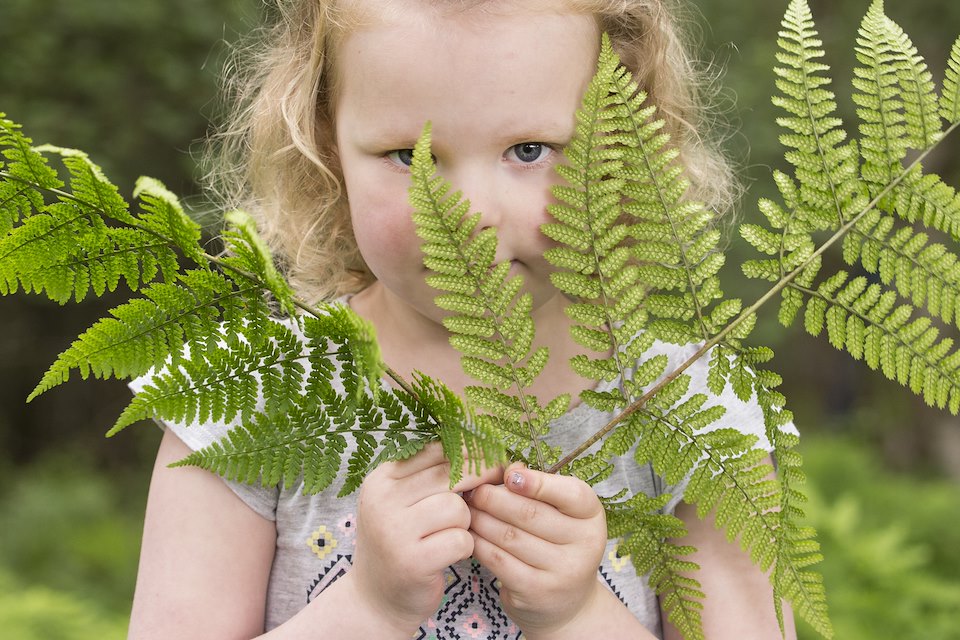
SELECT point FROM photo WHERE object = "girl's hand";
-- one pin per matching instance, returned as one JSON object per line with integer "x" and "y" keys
{"x": 410, "y": 527}
{"x": 543, "y": 536}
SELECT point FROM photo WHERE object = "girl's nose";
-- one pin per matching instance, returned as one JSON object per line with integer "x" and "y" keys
{"x": 481, "y": 187}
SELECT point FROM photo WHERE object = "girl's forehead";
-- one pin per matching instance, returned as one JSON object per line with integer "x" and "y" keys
{"x": 358, "y": 14}
{"x": 438, "y": 20}
{"x": 485, "y": 75}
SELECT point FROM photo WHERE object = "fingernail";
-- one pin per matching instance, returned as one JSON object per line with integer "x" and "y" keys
{"x": 516, "y": 479}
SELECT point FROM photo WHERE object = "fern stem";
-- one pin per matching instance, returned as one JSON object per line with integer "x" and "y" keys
{"x": 750, "y": 311}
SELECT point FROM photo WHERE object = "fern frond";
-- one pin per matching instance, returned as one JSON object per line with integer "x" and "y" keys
{"x": 24, "y": 173}
{"x": 306, "y": 439}
{"x": 728, "y": 477}
{"x": 224, "y": 381}
{"x": 292, "y": 407}
{"x": 796, "y": 546}
{"x": 926, "y": 199}
{"x": 868, "y": 323}
{"x": 881, "y": 107}
{"x": 925, "y": 273}
{"x": 249, "y": 254}
{"x": 594, "y": 266}
{"x": 89, "y": 186}
{"x": 645, "y": 535}
{"x": 950, "y": 98}
{"x": 629, "y": 245}
{"x": 919, "y": 93}
{"x": 490, "y": 322}
{"x": 89, "y": 241}
{"x": 464, "y": 439}
{"x": 162, "y": 214}
{"x": 149, "y": 330}
{"x": 276, "y": 449}
{"x": 826, "y": 167}
{"x": 64, "y": 253}
{"x": 677, "y": 250}
{"x": 357, "y": 349}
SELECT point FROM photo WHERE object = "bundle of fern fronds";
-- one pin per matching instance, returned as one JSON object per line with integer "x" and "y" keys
{"x": 225, "y": 338}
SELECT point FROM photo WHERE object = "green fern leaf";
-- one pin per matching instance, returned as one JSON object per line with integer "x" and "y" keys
{"x": 149, "y": 330}
{"x": 796, "y": 548}
{"x": 924, "y": 273}
{"x": 90, "y": 187}
{"x": 23, "y": 176}
{"x": 250, "y": 255}
{"x": 868, "y": 323}
{"x": 162, "y": 213}
{"x": 644, "y": 536}
{"x": 294, "y": 429}
{"x": 825, "y": 166}
{"x": 918, "y": 92}
{"x": 88, "y": 241}
{"x": 274, "y": 449}
{"x": 883, "y": 121}
{"x": 950, "y": 100}
{"x": 226, "y": 381}
{"x": 490, "y": 320}
{"x": 926, "y": 199}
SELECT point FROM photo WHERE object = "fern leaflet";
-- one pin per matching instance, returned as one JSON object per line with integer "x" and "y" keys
{"x": 491, "y": 324}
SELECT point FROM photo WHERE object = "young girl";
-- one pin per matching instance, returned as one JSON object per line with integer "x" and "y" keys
{"x": 329, "y": 115}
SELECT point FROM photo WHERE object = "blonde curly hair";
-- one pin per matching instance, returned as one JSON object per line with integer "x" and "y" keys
{"x": 275, "y": 158}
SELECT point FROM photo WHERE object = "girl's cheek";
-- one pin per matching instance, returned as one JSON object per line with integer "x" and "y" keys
{"x": 384, "y": 227}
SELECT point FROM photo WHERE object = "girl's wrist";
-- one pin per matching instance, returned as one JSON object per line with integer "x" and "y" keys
{"x": 601, "y": 616}
{"x": 363, "y": 616}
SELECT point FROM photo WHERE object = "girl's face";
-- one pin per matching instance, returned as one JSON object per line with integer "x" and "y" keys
{"x": 500, "y": 89}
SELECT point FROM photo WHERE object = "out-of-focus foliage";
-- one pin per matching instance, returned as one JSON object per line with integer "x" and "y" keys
{"x": 131, "y": 83}
{"x": 41, "y": 613}
{"x": 892, "y": 554}
{"x": 68, "y": 548}
{"x": 134, "y": 84}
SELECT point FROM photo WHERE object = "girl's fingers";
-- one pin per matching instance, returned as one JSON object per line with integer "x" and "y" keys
{"x": 437, "y": 512}
{"x": 570, "y": 496}
{"x": 504, "y": 538}
{"x": 472, "y": 480}
{"x": 446, "y": 547}
{"x": 508, "y": 568}
{"x": 536, "y": 518}
{"x": 430, "y": 456}
{"x": 428, "y": 472}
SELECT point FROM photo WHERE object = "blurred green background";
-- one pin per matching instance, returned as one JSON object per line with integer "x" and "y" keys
{"x": 134, "y": 84}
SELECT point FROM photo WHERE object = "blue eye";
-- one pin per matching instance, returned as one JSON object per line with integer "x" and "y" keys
{"x": 529, "y": 152}
{"x": 401, "y": 157}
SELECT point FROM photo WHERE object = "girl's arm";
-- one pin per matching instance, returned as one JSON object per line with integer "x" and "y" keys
{"x": 205, "y": 557}
{"x": 739, "y": 598}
